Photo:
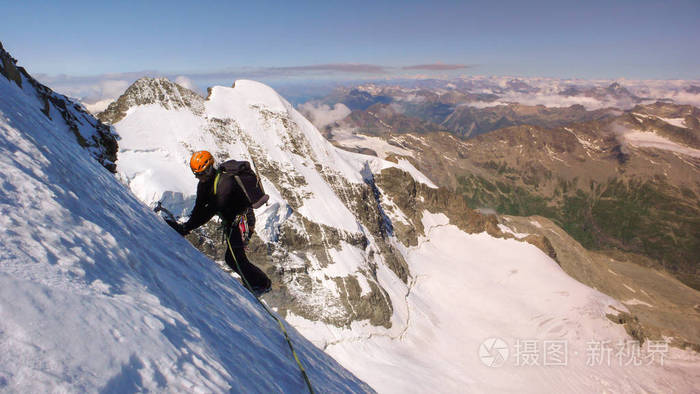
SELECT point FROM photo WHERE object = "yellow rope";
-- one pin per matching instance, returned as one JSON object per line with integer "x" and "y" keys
{"x": 284, "y": 330}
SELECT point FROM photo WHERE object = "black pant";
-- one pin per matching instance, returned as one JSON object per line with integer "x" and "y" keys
{"x": 252, "y": 274}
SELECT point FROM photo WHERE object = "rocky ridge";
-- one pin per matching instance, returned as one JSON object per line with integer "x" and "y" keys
{"x": 90, "y": 133}
{"x": 152, "y": 91}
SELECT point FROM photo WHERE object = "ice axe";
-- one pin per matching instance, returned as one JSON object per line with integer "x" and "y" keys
{"x": 168, "y": 216}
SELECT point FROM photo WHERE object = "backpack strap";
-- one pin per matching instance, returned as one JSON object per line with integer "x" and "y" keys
{"x": 252, "y": 160}
{"x": 216, "y": 180}
{"x": 240, "y": 183}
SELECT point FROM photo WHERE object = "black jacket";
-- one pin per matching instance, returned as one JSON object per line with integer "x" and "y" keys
{"x": 228, "y": 202}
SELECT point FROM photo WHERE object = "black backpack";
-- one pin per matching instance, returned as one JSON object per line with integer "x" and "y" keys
{"x": 246, "y": 179}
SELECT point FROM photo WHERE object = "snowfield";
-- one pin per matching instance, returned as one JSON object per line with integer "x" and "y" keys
{"x": 470, "y": 289}
{"x": 98, "y": 294}
{"x": 652, "y": 140}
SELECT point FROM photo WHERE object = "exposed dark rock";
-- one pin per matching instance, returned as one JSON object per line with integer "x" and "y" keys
{"x": 542, "y": 243}
{"x": 375, "y": 306}
{"x": 631, "y": 324}
{"x": 620, "y": 154}
{"x": 365, "y": 202}
{"x": 414, "y": 197}
{"x": 8, "y": 67}
{"x": 99, "y": 139}
{"x": 357, "y": 99}
{"x": 364, "y": 151}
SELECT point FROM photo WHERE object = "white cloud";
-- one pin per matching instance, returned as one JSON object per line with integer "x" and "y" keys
{"x": 92, "y": 91}
{"x": 322, "y": 115}
{"x": 99, "y": 106}
{"x": 186, "y": 83}
{"x": 686, "y": 98}
{"x": 112, "y": 88}
{"x": 549, "y": 88}
{"x": 548, "y": 100}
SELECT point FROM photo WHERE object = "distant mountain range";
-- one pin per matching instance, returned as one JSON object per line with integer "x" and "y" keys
{"x": 469, "y": 109}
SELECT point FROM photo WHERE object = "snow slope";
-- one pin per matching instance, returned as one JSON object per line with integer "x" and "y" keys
{"x": 98, "y": 294}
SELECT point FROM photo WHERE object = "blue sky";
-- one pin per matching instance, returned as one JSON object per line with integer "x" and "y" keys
{"x": 583, "y": 39}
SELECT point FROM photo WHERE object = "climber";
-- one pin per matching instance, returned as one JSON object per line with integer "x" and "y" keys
{"x": 231, "y": 191}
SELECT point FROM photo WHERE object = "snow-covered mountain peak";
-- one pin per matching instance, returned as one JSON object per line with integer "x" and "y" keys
{"x": 245, "y": 93}
{"x": 273, "y": 125}
{"x": 159, "y": 91}
{"x": 324, "y": 217}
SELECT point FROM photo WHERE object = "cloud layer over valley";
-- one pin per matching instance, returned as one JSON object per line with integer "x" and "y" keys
{"x": 485, "y": 91}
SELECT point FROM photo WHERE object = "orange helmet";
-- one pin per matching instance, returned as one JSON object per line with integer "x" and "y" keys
{"x": 201, "y": 161}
